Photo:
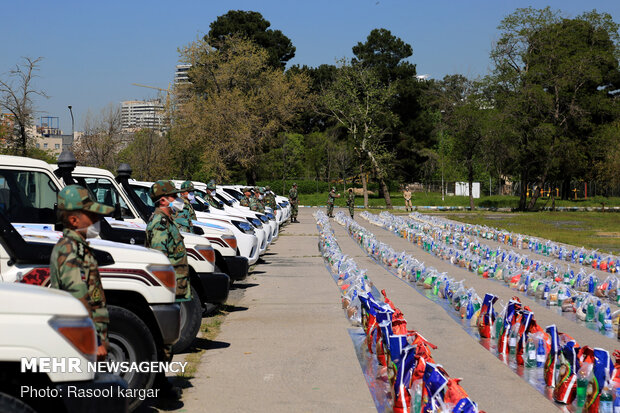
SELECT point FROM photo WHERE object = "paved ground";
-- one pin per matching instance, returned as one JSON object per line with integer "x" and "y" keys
{"x": 287, "y": 348}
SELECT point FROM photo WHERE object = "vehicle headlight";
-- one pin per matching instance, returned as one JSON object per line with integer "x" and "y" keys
{"x": 243, "y": 226}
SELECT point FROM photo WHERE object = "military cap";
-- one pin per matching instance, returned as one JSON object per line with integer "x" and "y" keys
{"x": 77, "y": 198}
{"x": 267, "y": 188}
{"x": 211, "y": 185}
{"x": 256, "y": 189}
{"x": 246, "y": 190}
{"x": 162, "y": 188}
{"x": 187, "y": 186}
{"x": 294, "y": 183}
{"x": 333, "y": 188}
{"x": 261, "y": 189}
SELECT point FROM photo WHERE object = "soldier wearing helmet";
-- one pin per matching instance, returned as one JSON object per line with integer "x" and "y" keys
{"x": 292, "y": 199}
{"x": 184, "y": 218}
{"x": 73, "y": 267}
{"x": 330, "y": 201}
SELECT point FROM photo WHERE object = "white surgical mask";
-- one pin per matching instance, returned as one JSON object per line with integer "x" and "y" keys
{"x": 92, "y": 231}
{"x": 191, "y": 197}
{"x": 177, "y": 204}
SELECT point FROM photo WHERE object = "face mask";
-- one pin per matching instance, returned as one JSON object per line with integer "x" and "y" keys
{"x": 92, "y": 231}
{"x": 191, "y": 197}
{"x": 177, "y": 204}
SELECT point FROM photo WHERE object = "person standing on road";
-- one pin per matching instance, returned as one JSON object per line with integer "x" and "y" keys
{"x": 164, "y": 236}
{"x": 292, "y": 199}
{"x": 184, "y": 218}
{"x": 407, "y": 196}
{"x": 331, "y": 197}
{"x": 73, "y": 267}
{"x": 351, "y": 201}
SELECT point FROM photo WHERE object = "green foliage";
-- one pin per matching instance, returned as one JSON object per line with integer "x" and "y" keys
{"x": 253, "y": 26}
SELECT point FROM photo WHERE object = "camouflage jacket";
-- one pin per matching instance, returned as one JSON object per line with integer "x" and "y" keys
{"x": 212, "y": 202}
{"x": 292, "y": 196}
{"x": 270, "y": 200}
{"x": 73, "y": 268}
{"x": 331, "y": 197}
{"x": 254, "y": 205}
{"x": 164, "y": 236}
{"x": 184, "y": 218}
{"x": 351, "y": 199}
{"x": 244, "y": 201}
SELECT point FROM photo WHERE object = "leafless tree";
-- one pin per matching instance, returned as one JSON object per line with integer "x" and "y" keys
{"x": 102, "y": 139}
{"x": 16, "y": 93}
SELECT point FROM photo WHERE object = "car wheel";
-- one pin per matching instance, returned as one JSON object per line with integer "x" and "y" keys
{"x": 131, "y": 341}
{"x": 10, "y": 404}
{"x": 191, "y": 317}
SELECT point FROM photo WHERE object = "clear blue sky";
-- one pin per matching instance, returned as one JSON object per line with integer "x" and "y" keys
{"x": 94, "y": 51}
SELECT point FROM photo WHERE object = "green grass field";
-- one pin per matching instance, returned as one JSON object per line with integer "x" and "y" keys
{"x": 595, "y": 230}
{"x": 434, "y": 199}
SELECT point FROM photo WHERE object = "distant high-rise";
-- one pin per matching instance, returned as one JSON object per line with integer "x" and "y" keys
{"x": 139, "y": 114}
{"x": 180, "y": 75}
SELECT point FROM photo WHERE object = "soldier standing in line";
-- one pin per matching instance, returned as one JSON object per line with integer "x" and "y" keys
{"x": 407, "y": 196}
{"x": 73, "y": 268}
{"x": 245, "y": 201}
{"x": 270, "y": 198}
{"x": 253, "y": 204}
{"x": 330, "y": 201}
{"x": 211, "y": 188}
{"x": 292, "y": 199}
{"x": 184, "y": 218}
{"x": 164, "y": 236}
{"x": 260, "y": 207}
{"x": 351, "y": 201}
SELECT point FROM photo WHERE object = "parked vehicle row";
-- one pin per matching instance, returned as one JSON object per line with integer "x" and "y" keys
{"x": 139, "y": 283}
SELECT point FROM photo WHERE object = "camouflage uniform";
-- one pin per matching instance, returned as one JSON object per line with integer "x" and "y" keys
{"x": 292, "y": 199}
{"x": 351, "y": 202}
{"x": 260, "y": 204}
{"x": 209, "y": 198}
{"x": 164, "y": 236}
{"x": 73, "y": 267}
{"x": 407, "y": 196}
{"x": 245, "y": 201}
{"x": 270, "y": 198}
{"x": 184, "y": 218}
{"x": 253, "y": 203}
{"x": 330, "y": 202}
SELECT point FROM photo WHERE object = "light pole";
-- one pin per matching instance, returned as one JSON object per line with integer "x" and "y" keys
{"x": 72, "y": 125}
{"x": 441, "y": 148}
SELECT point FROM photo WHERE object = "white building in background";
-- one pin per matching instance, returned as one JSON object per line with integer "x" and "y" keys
{"x": 462, "y": 189}
{"x": 140, "y": 114}
{"x": 180, "y": 74}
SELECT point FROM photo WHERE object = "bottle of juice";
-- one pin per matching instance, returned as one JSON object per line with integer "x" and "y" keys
{"x": 530, "y": 349}
{"x": 512, "y": 340}
{"x": 617, "y": 401}
{"x": 541, "y": 355}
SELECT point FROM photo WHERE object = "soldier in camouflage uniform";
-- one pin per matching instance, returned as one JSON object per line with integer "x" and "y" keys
{"x": 184, "y": 218}
{"x": 255, "y": 205}
{"x": 164, "y": 236}
{"x": 292, "y": 199}
{"x": 351, "y": 201}
{"x": 246, "y": 200}
{"x": 330, "y": 201}
{"x": 73, "y": 267}
{"x": 211, "y": 187}
{"x": 270, "y": 198}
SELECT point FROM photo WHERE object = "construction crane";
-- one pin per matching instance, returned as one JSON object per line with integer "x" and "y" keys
{"x": 157, "y": 88}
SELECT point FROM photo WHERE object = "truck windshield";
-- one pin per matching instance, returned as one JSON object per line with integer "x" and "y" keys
{"x": 106, "y": 193}
{"x": 27, "y": 196}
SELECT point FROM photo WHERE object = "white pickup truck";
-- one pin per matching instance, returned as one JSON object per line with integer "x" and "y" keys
{"x": 40, "y": 323}
{"x": 139, "y": 282}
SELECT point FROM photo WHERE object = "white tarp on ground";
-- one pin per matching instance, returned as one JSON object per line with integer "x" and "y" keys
{"x": 462, "y": 189}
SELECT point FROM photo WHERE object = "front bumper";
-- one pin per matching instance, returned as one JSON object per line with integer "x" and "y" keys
{"x": 237, "y": 267}
{"x": 106, "y": 393}
{"x": 214, "y": 286}
{"x": 168, "y": 317}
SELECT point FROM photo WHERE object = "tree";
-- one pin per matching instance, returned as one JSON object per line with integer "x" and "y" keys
{"x": 16, "y": 94}
{"x": 411, "y": 134}
{"x": 102, "y": 139}
{"x": 149, "y": 155}
{"x": 357, "y": 100}
{"x": 235, "y": 105}
{"x": 253, "y": 26}
{"x": 553, "y": 77}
